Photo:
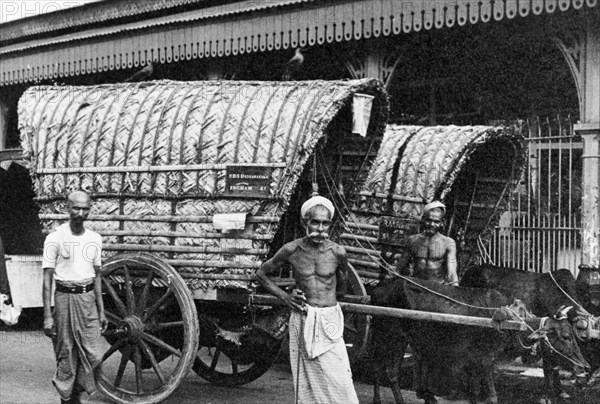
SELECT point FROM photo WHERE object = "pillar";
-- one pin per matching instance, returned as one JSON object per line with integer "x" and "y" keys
{"x": 3, "y": 123}
{"x": 581, "y": 48}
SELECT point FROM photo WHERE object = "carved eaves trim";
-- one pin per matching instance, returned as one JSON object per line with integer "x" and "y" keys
{"x": 281, "y": 25}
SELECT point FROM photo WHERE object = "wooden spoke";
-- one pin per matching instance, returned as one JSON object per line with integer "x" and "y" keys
{"x": 113, "y": 318}
{"x": 173, "y": 324}
{"x": 148, "y": 352}
{"x": 137, "y": 361}
{"x": 124, "y": 359}
{"x": 156, "y": 305}
{"x": 114, "y": 348}
{"x": 215, "y": 360}
{"x": 141, "y": 306}
{"x": 113, "y": 293}
{"x": 234, "y": 367}
{"x": 161, "y": 344}
{"x": 129, "y": 291}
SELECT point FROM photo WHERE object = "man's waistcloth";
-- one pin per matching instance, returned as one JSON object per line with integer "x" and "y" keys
{"x": 78, "y": 342}
{"x": 323, "y": 329}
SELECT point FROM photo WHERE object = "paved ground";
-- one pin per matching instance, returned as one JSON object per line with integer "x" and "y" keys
{"x": 27, "y": 365}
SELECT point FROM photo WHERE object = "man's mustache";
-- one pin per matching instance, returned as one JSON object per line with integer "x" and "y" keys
{"x": 316, "y": 234}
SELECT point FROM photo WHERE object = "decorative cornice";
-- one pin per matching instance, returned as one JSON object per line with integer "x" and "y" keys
{"x": 247, "y": 27}
{"x": 107, "y": 12}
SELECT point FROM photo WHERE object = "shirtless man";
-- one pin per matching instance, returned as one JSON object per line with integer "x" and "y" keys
{"x": 431, "y": 255}
{"x": 320, "y": 365}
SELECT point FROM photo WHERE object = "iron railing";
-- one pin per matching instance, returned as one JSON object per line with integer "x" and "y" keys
{"x": 541, "y": 228}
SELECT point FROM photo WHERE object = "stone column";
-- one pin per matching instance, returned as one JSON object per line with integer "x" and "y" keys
{"x": 589, "y": 128}
{"x": 590, "y": 204}
{"x": 581, "y": 48}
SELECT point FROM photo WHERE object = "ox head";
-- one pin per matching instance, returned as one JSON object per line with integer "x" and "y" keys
{"x": 559, "y": 340}
{"x": 585, "y": 326}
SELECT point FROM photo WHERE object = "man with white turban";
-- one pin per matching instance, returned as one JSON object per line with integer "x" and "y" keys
{"x": 429, "y": 255}
{"x": 320, "y": 366}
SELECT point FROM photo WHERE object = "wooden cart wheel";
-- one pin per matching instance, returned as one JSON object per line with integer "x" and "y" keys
{"x": 217, "y": 367}
{"x": 152, "y": 316}
{"x": 224, "y": 363}
{"x": 356, "y": 326}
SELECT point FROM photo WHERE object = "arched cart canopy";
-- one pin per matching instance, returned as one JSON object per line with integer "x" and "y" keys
{"x": 165, "y": 160}
{"x": 470, "y": 168}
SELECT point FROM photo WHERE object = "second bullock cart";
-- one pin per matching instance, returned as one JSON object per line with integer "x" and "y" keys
{"x": 195, "y": 184}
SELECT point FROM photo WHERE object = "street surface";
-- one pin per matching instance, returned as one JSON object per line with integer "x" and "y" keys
{"x": 27, "y": 366}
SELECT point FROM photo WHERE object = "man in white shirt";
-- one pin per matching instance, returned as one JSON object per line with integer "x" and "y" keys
{"x": 72, "y": 257}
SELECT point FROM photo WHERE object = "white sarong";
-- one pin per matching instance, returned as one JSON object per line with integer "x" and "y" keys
{"x": 318, "y": 357}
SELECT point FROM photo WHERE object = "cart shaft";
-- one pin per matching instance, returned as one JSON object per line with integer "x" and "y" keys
{"x": 358, "y": 304}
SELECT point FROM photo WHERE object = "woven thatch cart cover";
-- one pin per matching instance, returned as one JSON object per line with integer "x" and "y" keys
{"x": 471, "y": 168}
{"x": 155, "y": 157}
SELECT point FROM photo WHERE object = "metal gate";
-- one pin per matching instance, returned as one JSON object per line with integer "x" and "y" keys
{"x": 541, "y": 229}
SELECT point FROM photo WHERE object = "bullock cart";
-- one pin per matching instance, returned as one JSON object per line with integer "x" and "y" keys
{"x": 472, "y": 169}
{"x": 195, "y": 184}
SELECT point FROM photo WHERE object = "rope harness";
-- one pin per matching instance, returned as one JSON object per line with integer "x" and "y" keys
{"x": 591, "y": 329}
{"x": 579, "y": 306}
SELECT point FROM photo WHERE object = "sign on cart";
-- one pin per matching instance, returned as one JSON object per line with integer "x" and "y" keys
{"x": 249, "y": 181}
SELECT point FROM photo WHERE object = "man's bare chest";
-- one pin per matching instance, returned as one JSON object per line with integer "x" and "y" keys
{"x": 318, "y": 262}
{"x": 430, "y": 249}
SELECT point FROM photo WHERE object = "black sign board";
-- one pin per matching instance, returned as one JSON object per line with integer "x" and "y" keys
{"x": 250, "y": 181}
{"x": 395, "y": 230}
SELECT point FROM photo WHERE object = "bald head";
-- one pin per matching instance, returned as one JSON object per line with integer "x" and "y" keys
{"x": 79, "y": 208}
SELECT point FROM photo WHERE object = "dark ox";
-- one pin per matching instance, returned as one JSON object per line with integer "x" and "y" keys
{"x": 542, "y": 294}
{"x": 458, "y": 357}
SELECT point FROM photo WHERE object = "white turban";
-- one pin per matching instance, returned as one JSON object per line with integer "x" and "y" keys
{"x": 314, "y": 201}
{"x": 433, "y": 205}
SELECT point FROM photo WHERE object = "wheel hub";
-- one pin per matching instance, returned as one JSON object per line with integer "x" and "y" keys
{"x": 133, "y": 328}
